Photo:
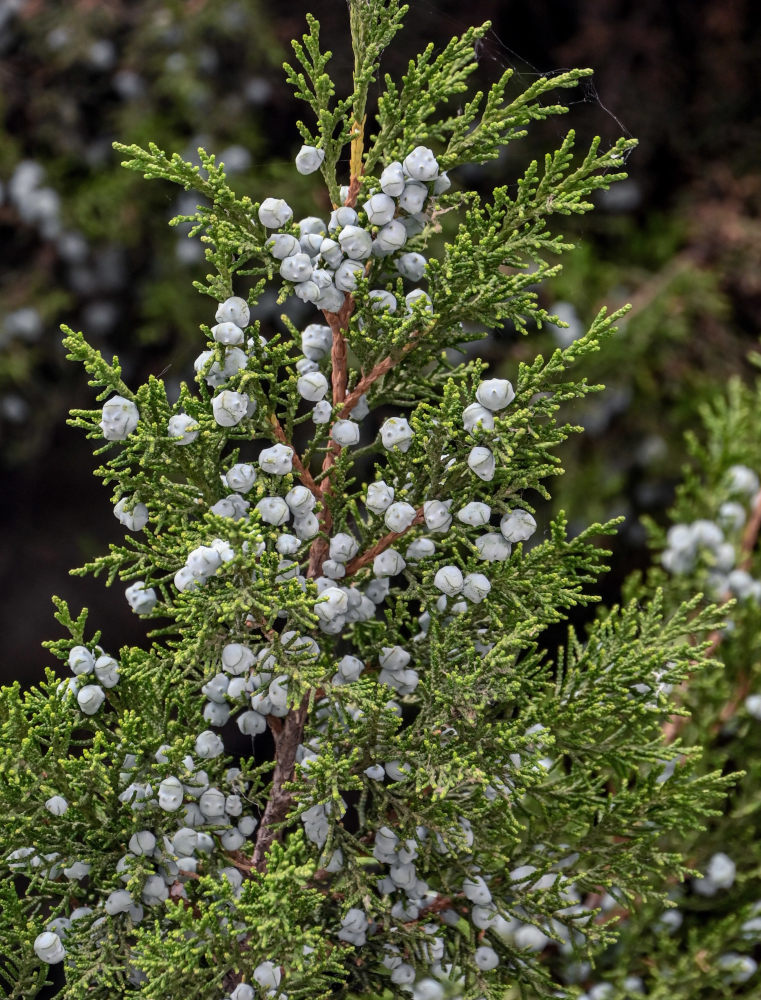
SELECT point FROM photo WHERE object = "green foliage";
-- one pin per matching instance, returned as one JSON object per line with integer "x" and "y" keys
{"x": 456, "y": 818}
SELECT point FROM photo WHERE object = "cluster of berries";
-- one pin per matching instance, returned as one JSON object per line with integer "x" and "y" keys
{"x": 83, "y": 662}
{"x": 324, "y": 261}
{"x": 714, "y": 545}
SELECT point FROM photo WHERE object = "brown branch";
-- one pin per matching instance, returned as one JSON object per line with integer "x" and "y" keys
{"x": 380, "y": 546}
{"x": 378, "y": 371}
{"x": 338, "y": 323}
{"x": 279, "y": 802}
{"x": 303, "y": 473}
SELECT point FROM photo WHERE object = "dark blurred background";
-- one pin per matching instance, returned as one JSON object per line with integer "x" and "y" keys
{"x": 86, "y": 243}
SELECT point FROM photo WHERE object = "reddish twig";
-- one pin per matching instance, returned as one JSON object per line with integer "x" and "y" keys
{"x": 286, "y": 744}
{"x": 378, "y": 371}
{"x": 380, "y": 546}
{"x": 303, "y": 473}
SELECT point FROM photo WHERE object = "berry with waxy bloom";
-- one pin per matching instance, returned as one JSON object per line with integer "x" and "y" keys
{"x": 475, "y": 514}
{"x": 380, "y": 299}
{"x": 742, "y": 480}
{"x": 731, "y": 515}
{"x": 81, "y": 660}
{"x": 413, "y": 197}
{"x": 411, "y": 266}
{"x": 495, "y": 394}
{"x": 170, "y": 794}
{"x": 134, "y": 519}
{"x": 273, "y": 510}
{"x": 183, "y": 428}
{"x": 228, "y": 334}
{"x": 350, "y": 667}
{"x": 331, "y": 603}
{"x": 215, "y": 689}
{"x": 229, "y": 407}
{"x": 476, "y": 587}
{"x": 251, "y": 723}
{"x": 331, "y": 252}
{"x": 120, "y": 417}
{"x": 309, "y": 159}
{"x": 107, "y": 671}
{"x": 390, "y": 238}
{"x": 333, "y": 570}
{"x": 48, "y": 948}
{"x": 240, "y": 477}
{"x": 477, "y": 416}
{"x": 203, "y": 561}
{"x": 449, "y": 580}
{"x": 118, "y": 901}
{"x": 437, "y": 516}
{"x": 90, "y": 698}
{"x": 287, "y": 545}
{"x": 492, "y": 547}
{"x": 396, "y": 433}
{"x": 442, "y": 184}
{"x": 274, "y": 213}
{"x": 237, "y": 658}
{"x": 141, "y": 843}
{"x": 311, "y": 243}
{"x": 301, "y": 501}
{"x": 184, "y": 579}
{"x": 267, "y": 975}
{"x": 277, "y": 460}
{"x": 316, "y": 341}
{"x": 311, "y": 224}
{"x": 233, "y": 310}
{"x": 355, "y": 242}
{"x": 345, "y": 433}
{"x": 142, "y": 600}
{"x": 341, "y": 217}
{"x": 517, "y": 525}
{"x": 56, "y": 805}
{"x": 282, "y": 245}
{"x": 354, "y": 927}
{"x": 417, "y": 296}
{"x": 343, "y": 547}
{"x": 322, "y": 412}
{"x": 379, "y": 209}
{"x": 379, "y": 496}
{"x": 234, "y": 360}
{"x": 388, "y": 563}
{"x": 486, "y": 958}
{"x": 312, "y": 386}
{"x": 421, "y": 164}
{"x": 232, "y": 506}
{"x": 399, "y": 516}
{"x": 347, "y": 273}
{"x": 392, "y": 180}
{"x": 481, "y": 461}
{"x": 421, "y": 548}
{"x": 306, "y": 527}
{"x": 297, "y": 268}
